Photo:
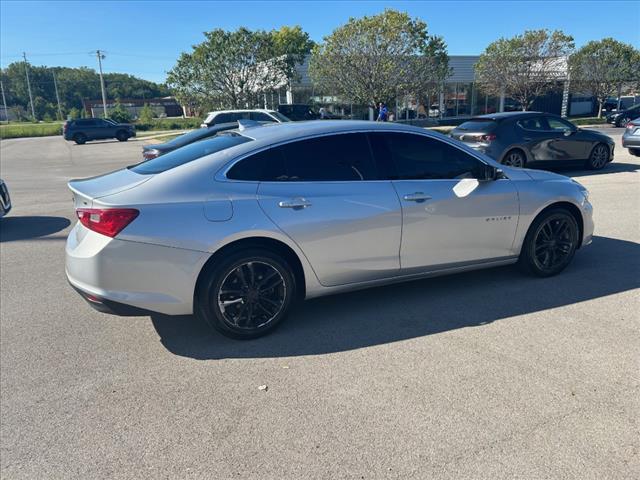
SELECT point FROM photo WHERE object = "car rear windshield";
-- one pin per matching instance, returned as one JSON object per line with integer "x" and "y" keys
{"x": 189, "y": 153}
{"x": 477, "y": 125}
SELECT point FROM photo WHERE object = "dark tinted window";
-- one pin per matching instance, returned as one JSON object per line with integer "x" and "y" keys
{"x": 224, "y": 118}
{"x": 345, "y": 157}
{"x": 477, "y": 125}
{"x": 261, "y": 117}
{"x": 411, "y": 157}
{"x": 533, "y": 123}
{"x": 265, "y": 166}
{"x": 189, "y": 153}
{"x": 85, "y": 123}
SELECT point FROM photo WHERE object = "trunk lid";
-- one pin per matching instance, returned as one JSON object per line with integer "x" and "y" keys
{"x": 86, "y": 190}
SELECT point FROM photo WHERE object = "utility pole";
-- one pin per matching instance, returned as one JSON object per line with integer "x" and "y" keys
{"x": 55, "y": 86}
{"x": 26, "y": 71}
{"x": 100, "y": 56}
{"x": 4, "y": 101}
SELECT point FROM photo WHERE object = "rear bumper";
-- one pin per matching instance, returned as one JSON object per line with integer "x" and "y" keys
{"x": 631, "y": 141}
{"x": 131, "y": 278}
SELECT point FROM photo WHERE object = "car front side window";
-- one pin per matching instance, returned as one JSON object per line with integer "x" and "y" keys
{"x": 417, "y": 157}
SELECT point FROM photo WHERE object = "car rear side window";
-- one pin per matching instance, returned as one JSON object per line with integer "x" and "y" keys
{"x": 334, "y": 158}
{"x": 189, "y": 153}
{"x": 533, "y": 123}
{"x": 265, "y": 166}
{"x": 342, "y": 157}
{"x": 417, "y": 157}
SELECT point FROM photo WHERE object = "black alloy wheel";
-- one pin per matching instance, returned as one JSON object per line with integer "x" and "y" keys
{"x": 248, "y": 294}
{"x": 599, "y": 157}
{"x": 550, "y": 243}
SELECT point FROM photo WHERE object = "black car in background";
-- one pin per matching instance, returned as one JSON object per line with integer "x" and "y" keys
{"x": 83, "y": 130}
{"x": 153, "y": 151}
{"x": 535, "y": 139}
{"x": 631, "y": 137}
{"x": 298, "y": 112}
{"x": 621, "y": 118}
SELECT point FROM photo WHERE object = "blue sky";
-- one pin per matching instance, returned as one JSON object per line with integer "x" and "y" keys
{"x": 144, "y": 38}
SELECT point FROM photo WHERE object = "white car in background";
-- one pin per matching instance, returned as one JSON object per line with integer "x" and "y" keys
{"x": 231, "y": 116}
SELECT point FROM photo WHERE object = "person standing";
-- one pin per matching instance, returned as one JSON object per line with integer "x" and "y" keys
{"x": 382, "y": 113}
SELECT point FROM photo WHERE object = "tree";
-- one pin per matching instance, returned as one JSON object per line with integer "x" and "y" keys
{"x": 74, "y": 86}
{"x": 294, "y": 44}
{"x": 603, "y": 67}
{"x": 526, "y": 66}
{"x": 119, "y": 114}
{"x": 378, "y": 58}
{"x": 146, "y": 114}
{"x": 228, "y": 69}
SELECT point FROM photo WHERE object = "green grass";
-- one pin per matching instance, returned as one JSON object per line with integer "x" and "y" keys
{"x": 19, "y": 130}
{"x": 588, "y": 121}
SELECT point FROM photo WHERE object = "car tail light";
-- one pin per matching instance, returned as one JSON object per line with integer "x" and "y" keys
{"x": 109, "y": 221}
{"x": 631, "y": 126}
{"x": 488, "y": 138}
{"x": 150, "y": 154}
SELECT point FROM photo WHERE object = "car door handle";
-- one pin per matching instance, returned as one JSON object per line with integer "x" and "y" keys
{"x": 416, "y": 197}
{"x": 295, "y": 203}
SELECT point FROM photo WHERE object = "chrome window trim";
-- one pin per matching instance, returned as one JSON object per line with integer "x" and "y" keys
{"x": 221, "y": 174}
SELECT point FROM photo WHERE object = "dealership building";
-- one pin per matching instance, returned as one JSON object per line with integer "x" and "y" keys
{"x": 459, "y": 96}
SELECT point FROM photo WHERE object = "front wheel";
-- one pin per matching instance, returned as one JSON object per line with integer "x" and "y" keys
{"x": 635, "y": 152}
{"x": 247, "y": 294}
{"x": 122, "y": 136}
{"x": 623, "y": 122}
{"x": 599, "y": 157}
{"x": 80, "y": 138}
{"x": 550, "y": 244}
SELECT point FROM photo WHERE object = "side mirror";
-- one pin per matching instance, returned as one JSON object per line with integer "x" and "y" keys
{"x": 489, "y": 173}
{"x": 568, "y": 132}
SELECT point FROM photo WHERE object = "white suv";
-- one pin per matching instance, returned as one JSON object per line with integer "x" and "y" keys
{"x": 229, "y": 116}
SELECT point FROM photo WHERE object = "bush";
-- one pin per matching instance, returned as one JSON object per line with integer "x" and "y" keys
{"x": 588, "y": 121}
{"x": 119, "y": 114}
{"x": 146, "y": 114}
{"x": 168, "y": 124}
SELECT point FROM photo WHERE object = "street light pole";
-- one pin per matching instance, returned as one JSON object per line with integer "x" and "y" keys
{"x": 104, "y": 96}
{"x": 55, "y": 86}
{"x": 26, "y": 71}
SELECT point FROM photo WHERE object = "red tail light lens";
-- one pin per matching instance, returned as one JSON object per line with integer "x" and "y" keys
{"x": 109, "y": 222}
{"x": 488, "y": 138}
{"x": 630, "y": 126}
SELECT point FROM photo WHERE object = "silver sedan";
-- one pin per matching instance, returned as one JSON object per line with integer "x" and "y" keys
{"x": 238, "y": 227}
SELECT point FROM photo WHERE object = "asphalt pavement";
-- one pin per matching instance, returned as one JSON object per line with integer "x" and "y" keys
{"x": 484, "y": 375}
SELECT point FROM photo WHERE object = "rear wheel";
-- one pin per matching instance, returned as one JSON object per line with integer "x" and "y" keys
{"x": 80, "y": 138}
{"x": 122, "y": 136}
{"x": 599, "y": 157}
{"x": 247, "y": 294}
{"x": 635, "y": 151}
{"x": 550, "y": 243}
{"x": 514, "y": 158}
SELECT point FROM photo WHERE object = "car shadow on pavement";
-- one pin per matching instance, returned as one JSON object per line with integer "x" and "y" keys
{"x": 414, "y": 309}
{"x": 25, "y": 228}
{"x": 611, "y": 168}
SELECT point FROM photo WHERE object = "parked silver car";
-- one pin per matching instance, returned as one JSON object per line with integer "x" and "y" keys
{"x": 5, "y": 199}
{"x": 237, "y": 227}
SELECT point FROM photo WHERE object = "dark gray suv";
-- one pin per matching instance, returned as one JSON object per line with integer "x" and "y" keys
{"x": 535, "y": 139}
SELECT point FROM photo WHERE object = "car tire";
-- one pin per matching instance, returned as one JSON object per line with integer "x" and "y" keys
{"x": 253, "y": 308}
{"x": 80, "y": 138}
{"x": 550, "y": 243}
{"x": 514, "y": 158}
{"x": 599, "y": 157}
{"x": 122, "y": 136}
{"x": 635, "y": 152}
